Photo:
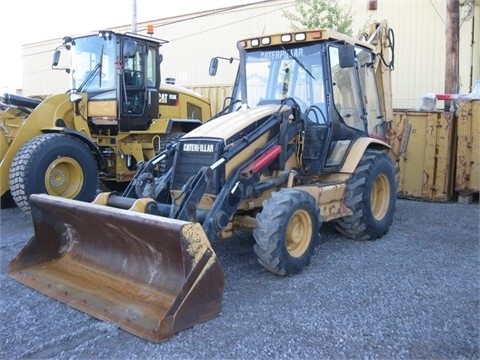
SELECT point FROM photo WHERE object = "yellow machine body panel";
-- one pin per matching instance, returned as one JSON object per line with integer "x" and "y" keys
{"x": 467, "y": 169}
{"x": 426, "y": 170}
{"x": 188, "y": 111}
{"x": 21, "y": 127}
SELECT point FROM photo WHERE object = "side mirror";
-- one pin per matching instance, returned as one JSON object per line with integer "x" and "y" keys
{"x": 56, "y": 58}
{"x": 129, "y": 48}
{"x": 346, "y": 54}
{"x": 213, "y": 66}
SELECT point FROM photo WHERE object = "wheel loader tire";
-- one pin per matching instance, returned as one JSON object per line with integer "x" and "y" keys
{"x": 55, "y": 164}
{"x": 371, "y": 195}
{"x": 287, "y": 231}
{"x": 167, "y": 141}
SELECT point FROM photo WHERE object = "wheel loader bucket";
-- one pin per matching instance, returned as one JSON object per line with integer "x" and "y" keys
{"x": 151, "y": 275}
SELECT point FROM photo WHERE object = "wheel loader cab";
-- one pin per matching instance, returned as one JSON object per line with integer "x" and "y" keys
{"x": 332, "y": 82}
{"x": 121, "y": 76}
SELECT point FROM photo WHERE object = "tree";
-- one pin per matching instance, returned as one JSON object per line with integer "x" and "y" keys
{"x": 315, "y": 14}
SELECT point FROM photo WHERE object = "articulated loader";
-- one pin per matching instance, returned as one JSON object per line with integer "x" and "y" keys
{"x": 304, "y": 140}
{"x": 116, "y": 114}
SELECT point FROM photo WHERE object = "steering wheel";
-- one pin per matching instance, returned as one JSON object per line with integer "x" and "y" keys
{"x": 302, "y": 103}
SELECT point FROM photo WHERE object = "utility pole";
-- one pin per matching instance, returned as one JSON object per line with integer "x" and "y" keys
{"x": 134, "y": 16}
{"x": 452, "y": 29}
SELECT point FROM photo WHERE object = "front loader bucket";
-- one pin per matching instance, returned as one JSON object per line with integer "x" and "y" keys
{"x": 151, "y": 275}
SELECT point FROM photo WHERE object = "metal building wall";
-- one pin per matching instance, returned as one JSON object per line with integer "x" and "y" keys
{"x": 193, "y": 43}
{"x": 38, "y": 76}
{"x": 419, "y": 27}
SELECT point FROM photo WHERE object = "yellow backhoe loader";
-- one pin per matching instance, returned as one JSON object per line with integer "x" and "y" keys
{"x": 115, "y": 114}
{"x": 304, "y": 140}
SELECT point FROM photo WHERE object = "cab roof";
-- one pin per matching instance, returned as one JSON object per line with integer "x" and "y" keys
{"x": 301, "y": 36}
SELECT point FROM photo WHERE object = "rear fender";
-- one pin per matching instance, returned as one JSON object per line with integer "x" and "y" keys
{"x": 358, "y": 149}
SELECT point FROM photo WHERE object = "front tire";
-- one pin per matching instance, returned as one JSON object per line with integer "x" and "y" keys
{"x": 55, "y": 164}
{"x": 287, "y": 231}
{"x": 371, "y": 195}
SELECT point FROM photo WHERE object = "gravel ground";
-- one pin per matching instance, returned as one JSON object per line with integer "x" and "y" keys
{"x": 414, "y": 294}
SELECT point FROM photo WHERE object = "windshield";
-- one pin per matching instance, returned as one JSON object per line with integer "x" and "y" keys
{"x": 93, "y": 63}
{"x": 279, "y": 72}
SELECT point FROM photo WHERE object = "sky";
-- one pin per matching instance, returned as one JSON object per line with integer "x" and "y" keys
{"x": 29, "y": 21}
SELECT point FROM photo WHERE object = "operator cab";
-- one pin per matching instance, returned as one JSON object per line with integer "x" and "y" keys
{"x": 329, "y": 76}
{"x": 120, "y": 75}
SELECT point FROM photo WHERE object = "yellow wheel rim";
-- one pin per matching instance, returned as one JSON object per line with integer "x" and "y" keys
{"x": 299, "y": 233}
{"x": 380, "y": 197}
{"x": 64, "y": 177}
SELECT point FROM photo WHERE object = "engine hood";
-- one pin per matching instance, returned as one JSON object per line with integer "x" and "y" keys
{"x": 231, "y": 124}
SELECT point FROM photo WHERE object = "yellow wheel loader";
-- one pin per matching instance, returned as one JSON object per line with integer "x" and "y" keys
{"x": 115, "y": 115}
{"x": 303, "y": 141}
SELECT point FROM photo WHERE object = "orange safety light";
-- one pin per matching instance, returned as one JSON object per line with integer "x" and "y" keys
{"x": 150, "y": 29}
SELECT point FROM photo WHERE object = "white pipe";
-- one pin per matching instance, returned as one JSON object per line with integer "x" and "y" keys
{"x": 134, "y": 16}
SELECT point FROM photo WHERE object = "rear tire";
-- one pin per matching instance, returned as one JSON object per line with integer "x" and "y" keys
{"x": 55, "y": 164}
{"x": 371, "y": 195}
{"x": 287, "y": 231}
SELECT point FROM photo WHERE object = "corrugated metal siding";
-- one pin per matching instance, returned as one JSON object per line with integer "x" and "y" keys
{"x": 216, "y": 94}
{"x": 470, "y": 51}
{"x": 419, "y": 27}
{"x": 196, "y": 38}
{"x": 187, "y": 56}
{"x": 418, "y": 57}
{"x": 38, "y": 76}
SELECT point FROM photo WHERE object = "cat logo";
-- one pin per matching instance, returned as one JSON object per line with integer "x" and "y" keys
{"x": 198, "y": 147}
{"x": 168, "y": 98}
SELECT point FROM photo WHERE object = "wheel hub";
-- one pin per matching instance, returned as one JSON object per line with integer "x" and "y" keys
{"x": 57, "y": 178}
{"x": 299, "y": 233}
{"x": 380, "y": 197}
{"x": 64, "y": 177}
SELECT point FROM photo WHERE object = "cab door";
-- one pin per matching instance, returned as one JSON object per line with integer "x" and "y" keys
{"x": 139, "y": 85}
{"x": 348, "y": 117}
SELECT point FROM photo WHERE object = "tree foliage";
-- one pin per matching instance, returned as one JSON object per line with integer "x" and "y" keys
{"x": 315, "y": 14}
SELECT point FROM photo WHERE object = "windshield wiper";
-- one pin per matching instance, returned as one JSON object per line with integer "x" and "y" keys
{"x": 298, "y": 62}
{"x": 90, "y": 77}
